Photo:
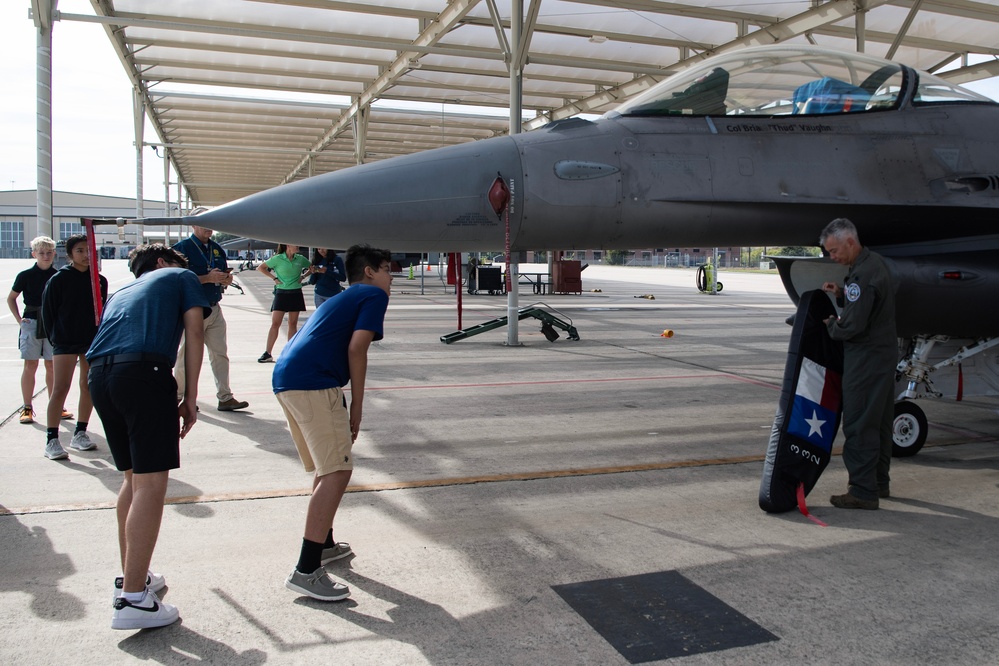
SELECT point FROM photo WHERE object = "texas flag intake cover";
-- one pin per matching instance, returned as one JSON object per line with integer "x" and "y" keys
{"x": 808, "y": 412}
{"x": 815, "y": 409}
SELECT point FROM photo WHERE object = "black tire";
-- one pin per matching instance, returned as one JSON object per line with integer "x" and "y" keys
{"x": 908, "y": 430}
{"x": 700, "y": 279}
{"x": 718, "y": 287}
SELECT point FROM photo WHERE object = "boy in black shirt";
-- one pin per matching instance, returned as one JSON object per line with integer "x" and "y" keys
{"x": 32, "y": 342}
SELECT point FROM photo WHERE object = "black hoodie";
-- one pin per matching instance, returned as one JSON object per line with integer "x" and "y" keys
{"x": 68, "y": 307}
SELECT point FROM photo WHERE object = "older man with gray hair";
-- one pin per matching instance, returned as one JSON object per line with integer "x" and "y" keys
{"x": 866, "y": 326}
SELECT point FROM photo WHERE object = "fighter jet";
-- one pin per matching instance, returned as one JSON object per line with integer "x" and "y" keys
{"x": 761, "y": 146}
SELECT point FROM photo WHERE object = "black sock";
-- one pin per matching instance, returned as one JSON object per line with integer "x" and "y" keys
{"x": 311, "y": 557}
{"x": 81, "y": 426}
{"x": 51, "y": 433}
{"x": 329, "y": 540}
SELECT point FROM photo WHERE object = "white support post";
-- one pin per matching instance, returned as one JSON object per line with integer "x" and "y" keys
{"x": 139, "y": 120}
{"x": 516, "y": 105}
{"x": 43, "y": 14}
{"x": 166, "y": 195}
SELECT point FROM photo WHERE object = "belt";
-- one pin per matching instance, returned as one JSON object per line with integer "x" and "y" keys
{"x": 136, "y": 357}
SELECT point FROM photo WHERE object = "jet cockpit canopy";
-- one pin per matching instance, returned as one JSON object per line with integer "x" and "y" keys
{"x": 792, "y": 80}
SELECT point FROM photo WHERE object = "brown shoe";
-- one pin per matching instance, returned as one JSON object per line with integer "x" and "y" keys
{"x": 232, "y": 405}
{"x": 66, "y": 415}
{"x": 848, "y": 501}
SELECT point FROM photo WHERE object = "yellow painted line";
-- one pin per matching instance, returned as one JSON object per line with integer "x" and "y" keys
{"x": 440, "y": 483}
{"x": 400, "y": 485}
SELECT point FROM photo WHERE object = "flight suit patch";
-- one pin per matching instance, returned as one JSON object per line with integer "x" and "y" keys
{"x": 852, "y": 292}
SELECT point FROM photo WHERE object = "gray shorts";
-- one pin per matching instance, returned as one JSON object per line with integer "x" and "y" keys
{"x": 32, "y": 347}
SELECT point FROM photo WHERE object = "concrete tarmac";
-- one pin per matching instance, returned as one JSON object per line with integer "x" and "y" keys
{"x": 486, "y": 475}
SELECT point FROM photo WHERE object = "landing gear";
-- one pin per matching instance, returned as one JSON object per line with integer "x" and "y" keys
{"x": 908, "y": 429}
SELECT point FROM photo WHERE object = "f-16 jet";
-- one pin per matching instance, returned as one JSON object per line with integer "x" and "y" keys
{"x": 761, "y": 146}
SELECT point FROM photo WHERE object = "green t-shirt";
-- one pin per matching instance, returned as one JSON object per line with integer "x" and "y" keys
{"x": 288, "y": 271}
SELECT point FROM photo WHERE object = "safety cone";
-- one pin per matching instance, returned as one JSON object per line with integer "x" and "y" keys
{"x": 411, "y": 273}
{"x": 668, "y": 333}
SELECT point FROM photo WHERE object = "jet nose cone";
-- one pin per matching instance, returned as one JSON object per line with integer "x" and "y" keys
{"x": 434, "y": 200}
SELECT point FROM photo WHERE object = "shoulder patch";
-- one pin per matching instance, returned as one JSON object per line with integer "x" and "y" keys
{"x": 852, "y": 292}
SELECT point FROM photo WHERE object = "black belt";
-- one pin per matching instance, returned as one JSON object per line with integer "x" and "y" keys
{"x": 136, "y": 357}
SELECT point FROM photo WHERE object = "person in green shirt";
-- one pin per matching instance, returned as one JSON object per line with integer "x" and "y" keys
{"x": 287, "y": 269}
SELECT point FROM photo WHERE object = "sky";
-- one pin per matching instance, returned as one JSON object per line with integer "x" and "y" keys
{"x": 92, "y": 132}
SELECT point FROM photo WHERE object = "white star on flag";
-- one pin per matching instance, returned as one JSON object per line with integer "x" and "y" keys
{"x": 815, "y": 424}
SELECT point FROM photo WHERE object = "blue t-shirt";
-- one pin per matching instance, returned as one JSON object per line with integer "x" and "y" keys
{"x": 147, "y": 315}
{"x": 202, "y": 260}
{"x": 316, "y": 358}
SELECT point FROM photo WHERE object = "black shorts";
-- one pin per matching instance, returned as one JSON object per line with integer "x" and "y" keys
{"x": 137, "y": 403}
{"x": 80, "y": 350}
{"x": 288, "y": 300}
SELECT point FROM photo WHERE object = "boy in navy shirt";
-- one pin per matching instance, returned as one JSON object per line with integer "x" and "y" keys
{"x": 327, "y": 353}
{"x": 135, "y": 394}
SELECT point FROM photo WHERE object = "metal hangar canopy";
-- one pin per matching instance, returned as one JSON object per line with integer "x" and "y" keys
{"x": 249, "y": 94}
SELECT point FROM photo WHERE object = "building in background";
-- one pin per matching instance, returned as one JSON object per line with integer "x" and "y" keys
{"x": 19, "y": 222}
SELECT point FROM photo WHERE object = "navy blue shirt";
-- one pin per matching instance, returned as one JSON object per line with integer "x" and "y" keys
{"x": 202, "y": 259}
{"x": 316, "y": 358}
{"x": 147, "y": 315}
{"x": 328, "y": 283}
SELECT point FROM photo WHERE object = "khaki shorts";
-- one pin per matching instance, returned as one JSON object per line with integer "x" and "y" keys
{"x": 320, "y": 426}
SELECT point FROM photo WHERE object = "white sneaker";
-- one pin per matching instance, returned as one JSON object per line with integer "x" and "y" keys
{"x": 54, "y": 450}
{"x": 154, "y": 583}
{"x": 82, "y": 442}
{"x": 150, "y": 612}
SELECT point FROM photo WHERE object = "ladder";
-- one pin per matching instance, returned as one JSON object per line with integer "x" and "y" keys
{"x": 548, "y": 324}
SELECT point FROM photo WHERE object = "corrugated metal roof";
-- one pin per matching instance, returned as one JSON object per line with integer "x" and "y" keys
{"x": 249, "y": 94}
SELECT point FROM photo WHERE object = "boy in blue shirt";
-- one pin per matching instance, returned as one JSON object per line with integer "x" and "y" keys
{"x": 135, "y": 394}
{"x": 327, "y": 353}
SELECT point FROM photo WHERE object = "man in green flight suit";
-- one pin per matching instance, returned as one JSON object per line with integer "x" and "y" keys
{"x": 870, "y": 353}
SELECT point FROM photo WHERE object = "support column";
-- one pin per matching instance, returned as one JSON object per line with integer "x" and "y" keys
{"x": 139, "y": 120}
{"x": 166, "y": 196}
{"x": 43, "y": 11}
{"x": 861, "y": 25}
{"x": 359, "y": 126}
{"x": 516, "y": 106}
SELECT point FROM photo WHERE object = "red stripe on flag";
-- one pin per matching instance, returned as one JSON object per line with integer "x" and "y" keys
{"x": 832, "y": 389}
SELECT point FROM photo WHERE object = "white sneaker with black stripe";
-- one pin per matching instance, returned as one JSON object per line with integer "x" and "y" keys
{"x": 146, "y": 614}
{"x": 154, "y": 583}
